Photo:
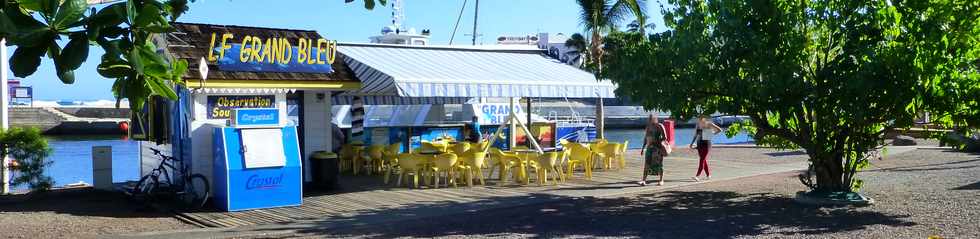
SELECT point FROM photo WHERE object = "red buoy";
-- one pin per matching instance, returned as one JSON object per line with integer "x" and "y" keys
{"x": 124, "y": 126}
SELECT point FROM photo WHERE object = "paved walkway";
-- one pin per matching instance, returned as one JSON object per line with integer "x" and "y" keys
{"x": 373, "y": 203}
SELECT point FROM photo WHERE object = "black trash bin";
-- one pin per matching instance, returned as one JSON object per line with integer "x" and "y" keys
{"x": 325, "y": 170}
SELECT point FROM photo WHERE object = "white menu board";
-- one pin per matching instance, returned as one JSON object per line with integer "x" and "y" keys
{"x": 263, "y": 148}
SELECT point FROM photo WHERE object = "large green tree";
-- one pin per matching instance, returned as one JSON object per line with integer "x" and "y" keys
{"x": 829, "y": 77}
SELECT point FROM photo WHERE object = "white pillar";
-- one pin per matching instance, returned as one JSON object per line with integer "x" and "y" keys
{"x": 512, "y": 140}
{"x": 4, "y": 113}
{"x": 316, "y": 126}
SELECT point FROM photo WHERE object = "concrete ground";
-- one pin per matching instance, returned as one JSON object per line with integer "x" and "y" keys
{"x": 728, "y": 163}
{"x": 922, "y": 193}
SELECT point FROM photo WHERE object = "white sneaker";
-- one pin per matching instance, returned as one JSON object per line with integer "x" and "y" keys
{"x": 707, "y": 178}
{"x": 642, "y": 183}
{"x": 661, "y": 183}
{"x": 696, "y": 179}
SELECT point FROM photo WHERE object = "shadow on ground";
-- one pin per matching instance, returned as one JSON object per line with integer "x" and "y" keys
{"x": 670, "y": 214}
{"x": 79, "y": 202}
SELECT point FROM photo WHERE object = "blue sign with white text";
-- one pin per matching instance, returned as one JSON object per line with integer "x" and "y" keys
{"x": 313, "y": 61}
{"x": 259, "y": 117}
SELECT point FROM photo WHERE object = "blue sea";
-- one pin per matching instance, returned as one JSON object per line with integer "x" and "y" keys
{"x": 682, "y": 137}
{"x": 71, "y": 159}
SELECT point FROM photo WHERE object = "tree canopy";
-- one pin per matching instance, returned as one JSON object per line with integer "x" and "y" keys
{"x": 829, "y": 77}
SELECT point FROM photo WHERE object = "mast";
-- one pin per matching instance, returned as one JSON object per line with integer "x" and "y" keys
{"x": 476, "y": 13}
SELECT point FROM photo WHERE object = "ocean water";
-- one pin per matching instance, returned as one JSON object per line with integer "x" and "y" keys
{"x": 682, "y": 137}
{"x": 71, "y": 159}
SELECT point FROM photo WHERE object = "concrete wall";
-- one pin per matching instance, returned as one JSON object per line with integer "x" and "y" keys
{"x": 33, "y": 117}
{"x": 85, "y": 112}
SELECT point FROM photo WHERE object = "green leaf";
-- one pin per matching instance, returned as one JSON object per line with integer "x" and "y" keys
{"x": 33, "y": 37}
{"x": 159, "y": 87}
{"x": 33, "y": 5}
{"x": 368, "y": 4}
{"x": 156, "y": 70}
{"x": 135, "y": 60}
{"x": 148, "y": 14}
{"x": 21, "y": 18}
{"x": 75, "y": 52}
{"x": 157, "y": 28}
{"x": 7, "y": 26}
{"x": 131, "y": 11}
{"x": 48, "y": 8}
{"x": 25, "y": 60}
{"x": 69, "y": 13}
{"x": 114, "y": 70}
{"x": 111, "y": 15}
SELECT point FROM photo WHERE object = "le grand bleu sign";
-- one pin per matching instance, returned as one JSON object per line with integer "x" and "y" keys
{"x": 277, "y": 54}
{"x": 221, "y": 106}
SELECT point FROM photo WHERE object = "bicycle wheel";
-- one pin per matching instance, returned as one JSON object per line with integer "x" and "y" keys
{"x": 145, "y": 187}
{"x": 196, "y": 191}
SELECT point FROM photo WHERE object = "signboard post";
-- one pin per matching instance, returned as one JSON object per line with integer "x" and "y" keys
{"x": 4, "y": 120}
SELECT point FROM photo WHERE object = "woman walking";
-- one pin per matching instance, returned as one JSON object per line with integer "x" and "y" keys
{"x": 652, "y": 151}
{"x": 706, "y": 130}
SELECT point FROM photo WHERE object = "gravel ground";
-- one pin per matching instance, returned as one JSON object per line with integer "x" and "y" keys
{"x": 921, "y": 193}
{"x": 74, "y": 213}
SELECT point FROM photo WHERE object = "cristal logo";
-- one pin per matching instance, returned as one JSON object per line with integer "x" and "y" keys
{"x": 257, "y": 182}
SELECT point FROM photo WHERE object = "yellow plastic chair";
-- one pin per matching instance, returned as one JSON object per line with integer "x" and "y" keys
{"x": 375, "y": 158}
{"x": 472, "y": 163}
{"x": 444, "y": 163}
{"x": 346, "y": 157}
{"x": 410, "y": 164}
{"x": 622, "y": 154}
{"x": 502, "y": 161}
{"x": 390, "y": 159}
{"x": 609, "y": 155}
{"x": 548, "y": 162}
{"x": 460, "y": 148}
{"x": 598, "y": 152}
{"x": 579, "y": 156}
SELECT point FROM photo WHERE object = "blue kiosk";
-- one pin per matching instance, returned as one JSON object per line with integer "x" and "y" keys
{"x": 257, "y": 162}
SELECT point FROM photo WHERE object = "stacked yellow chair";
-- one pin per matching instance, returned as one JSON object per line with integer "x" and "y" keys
{"x": 390, "y": 156}
{"x": 445, "y": 162}
{"x": 471, "y": 163}
{"x": 579, "y": 156}
{"x": 410, "y": 164}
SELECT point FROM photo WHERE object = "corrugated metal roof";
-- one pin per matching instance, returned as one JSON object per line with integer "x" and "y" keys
{"x": 412, "y": 71}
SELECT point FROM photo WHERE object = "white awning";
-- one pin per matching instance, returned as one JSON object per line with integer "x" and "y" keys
{"x": 453, "y": 72}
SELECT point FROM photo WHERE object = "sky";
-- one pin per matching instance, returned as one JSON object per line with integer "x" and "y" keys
{"x": 335, "y": 20}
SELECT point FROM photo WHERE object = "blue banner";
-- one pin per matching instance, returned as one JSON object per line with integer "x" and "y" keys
{"x": 313, "y": 62}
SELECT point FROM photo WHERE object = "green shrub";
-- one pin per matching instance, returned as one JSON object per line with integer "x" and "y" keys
{"x": 29, "y": 150}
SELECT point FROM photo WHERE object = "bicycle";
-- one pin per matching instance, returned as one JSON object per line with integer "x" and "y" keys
{"x": 192, "y": 190}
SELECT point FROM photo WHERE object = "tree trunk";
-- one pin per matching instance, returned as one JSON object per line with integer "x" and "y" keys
{"x": 830, "y": 173}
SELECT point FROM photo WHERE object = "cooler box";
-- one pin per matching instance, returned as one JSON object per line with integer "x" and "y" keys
{"x": 256, "y": 167}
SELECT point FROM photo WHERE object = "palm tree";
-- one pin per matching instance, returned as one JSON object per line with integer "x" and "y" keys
{"x": 599, "y": 17}
{"x": 578, "y": 44}
{"x": 635, "y": 27}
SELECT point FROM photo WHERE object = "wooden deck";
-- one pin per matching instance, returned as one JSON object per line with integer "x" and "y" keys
{"x": 366, "y": 195}
{"x": 366, "y": 199}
